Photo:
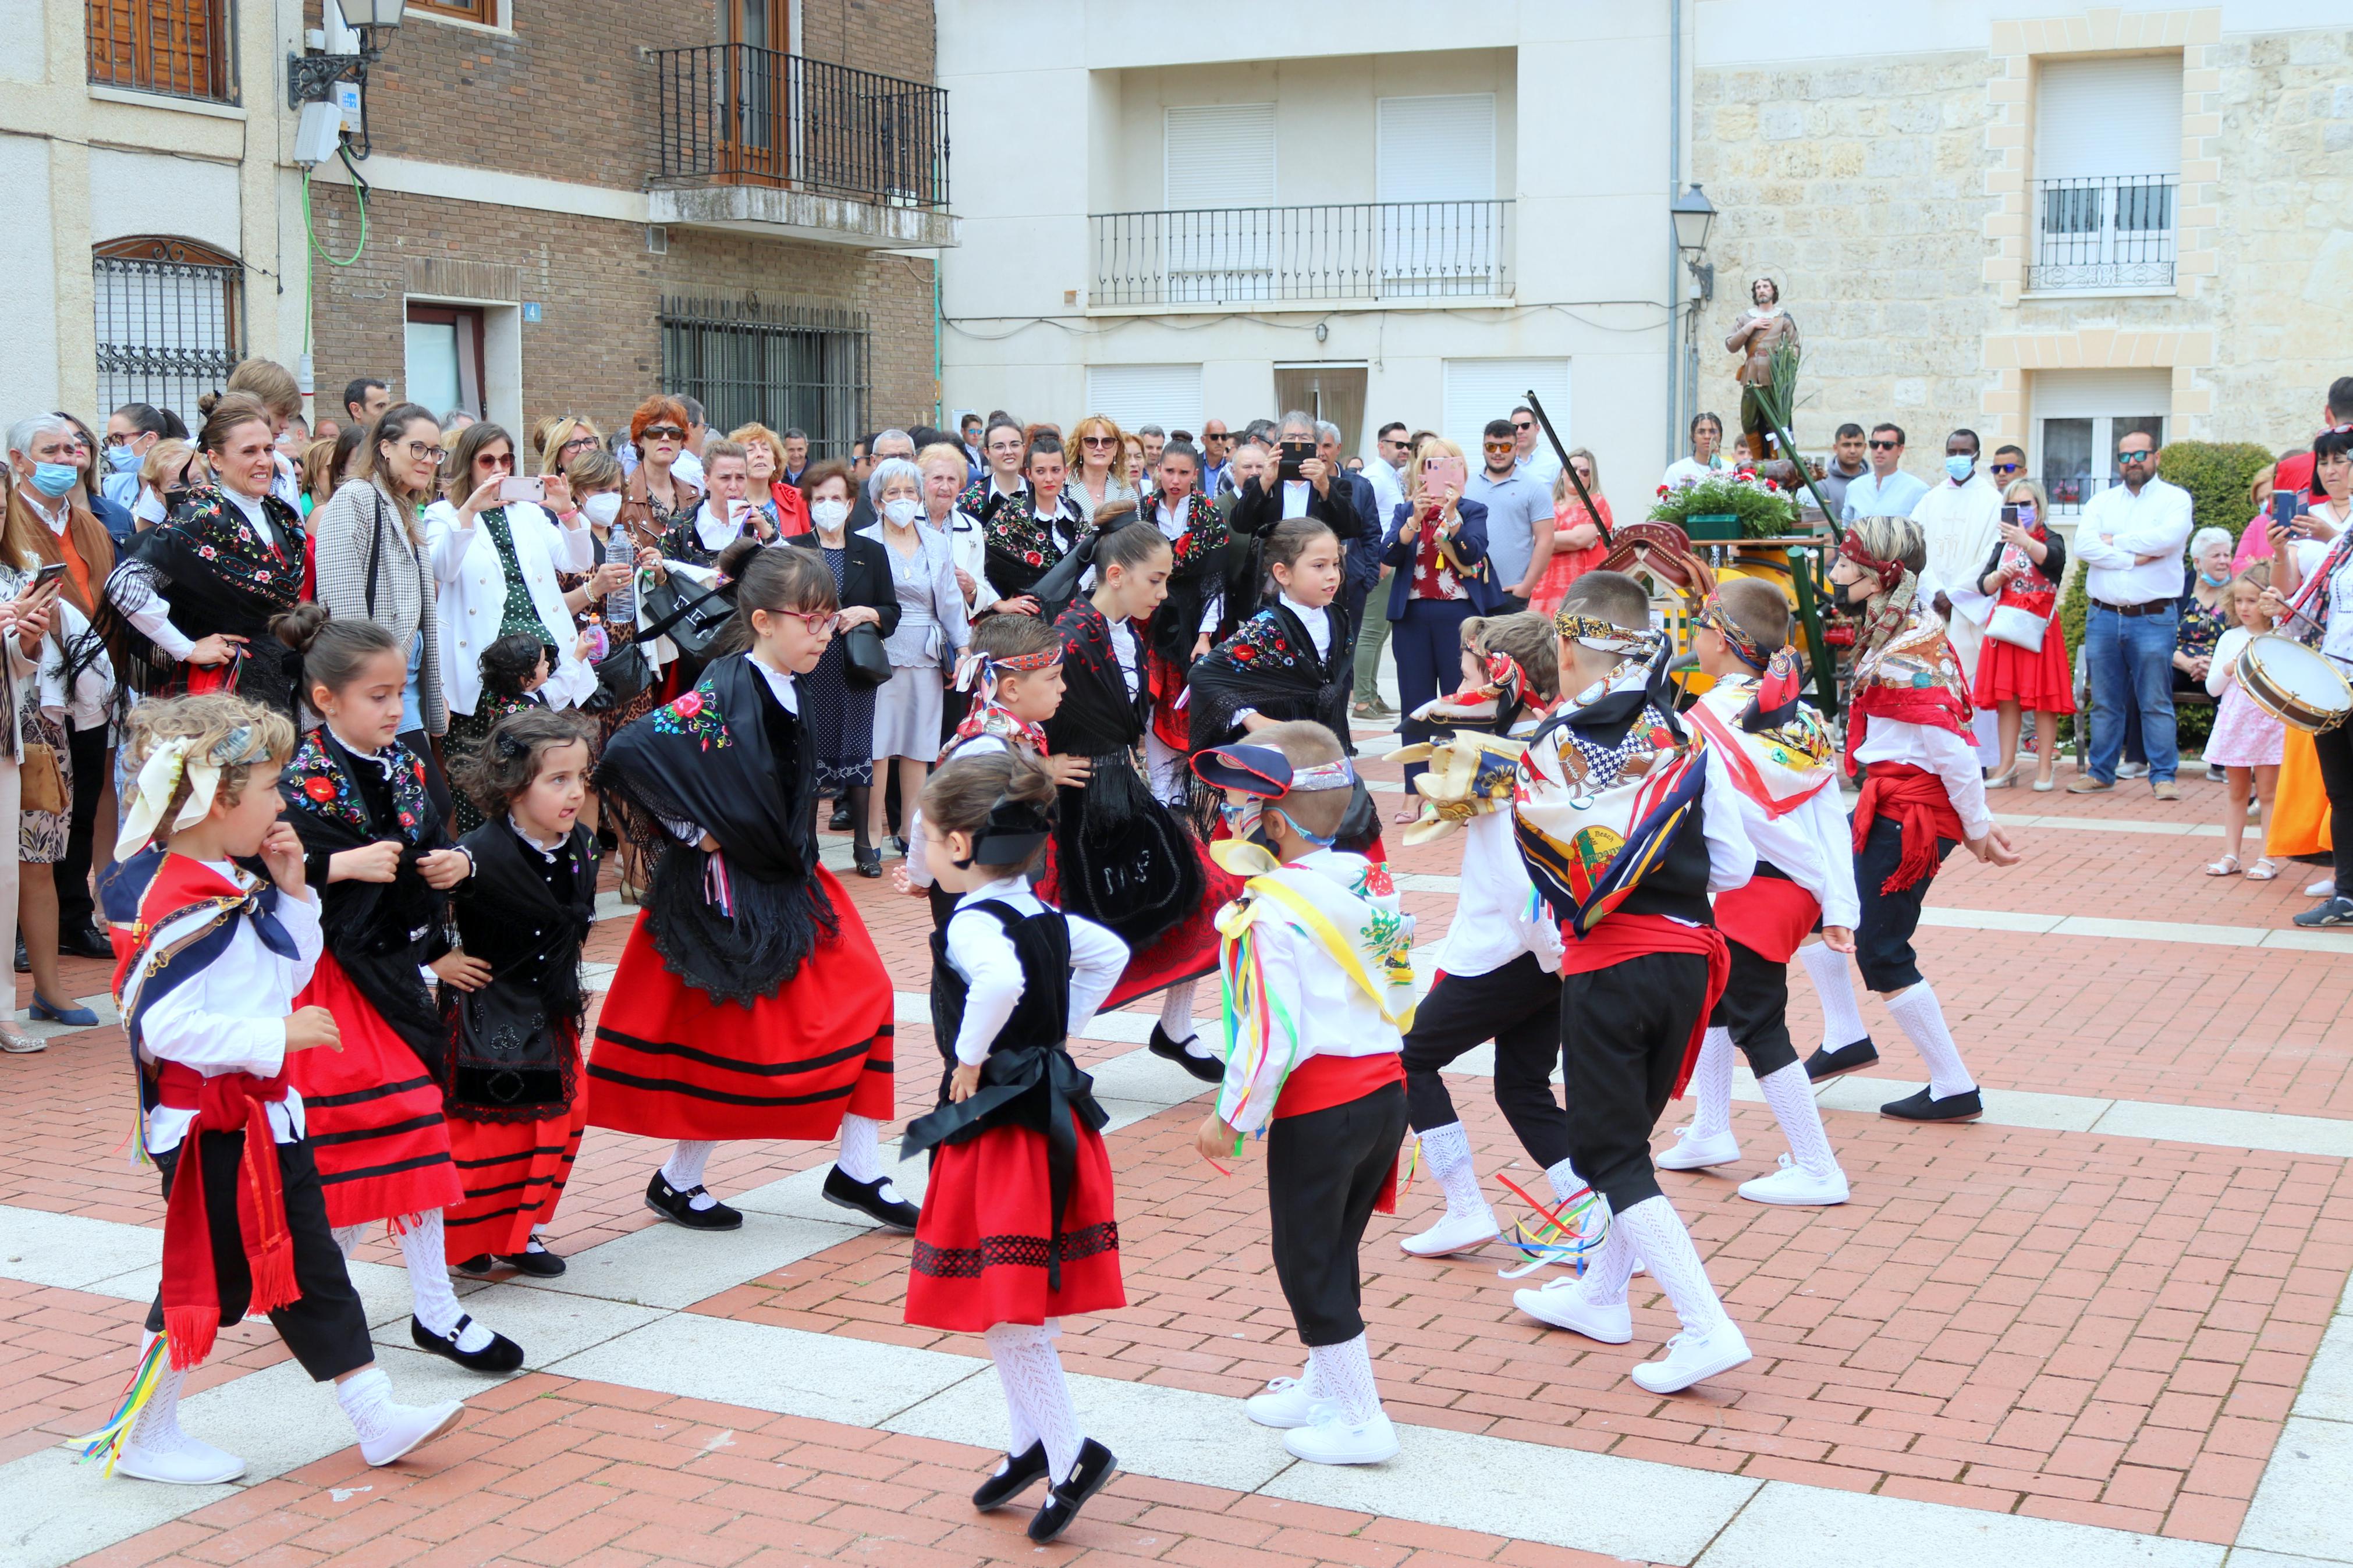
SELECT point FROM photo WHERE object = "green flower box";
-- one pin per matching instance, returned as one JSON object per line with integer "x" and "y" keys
{"x": 1714, "y": 527}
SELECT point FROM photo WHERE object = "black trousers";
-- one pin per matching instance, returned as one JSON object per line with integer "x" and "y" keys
{"x": 87, "y": 748}
{"x": 1882, "y": 936}
{"x": 1623, "y": 1032}
{"x": 326, "y": 1330}
{"x": 1323, "y": 1174}
{"x": 2334, "y": 749}
{"x": 1518, "y": 1007}
{"x": 1756, "y": 1007}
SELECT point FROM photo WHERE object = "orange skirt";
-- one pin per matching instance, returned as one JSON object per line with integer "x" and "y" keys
{"x": 2299, "y": 824}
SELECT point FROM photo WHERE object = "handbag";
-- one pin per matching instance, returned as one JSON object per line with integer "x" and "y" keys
{"x": 504, "y": 1061}
{"x": 2018, "y": 627}
{"x": 690, "y": 623}
{"x": 41, "y": 783}
{"x": 621, "y": 675}
{"x": 864, "y": 662}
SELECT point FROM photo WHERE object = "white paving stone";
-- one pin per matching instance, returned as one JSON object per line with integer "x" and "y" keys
{"x": 1787, "y": 1524}
{"x": 72, "y": 1253}
{"x": 828, "y": 1377}
{"x": 668, "y": 1265}
{"x": 2300, "y": 1504}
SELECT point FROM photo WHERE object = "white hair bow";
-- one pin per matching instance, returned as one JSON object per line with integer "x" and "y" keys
{"x": 160, "y": 775}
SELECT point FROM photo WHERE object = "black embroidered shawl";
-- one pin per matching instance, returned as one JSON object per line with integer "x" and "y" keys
{"x": 208, "y": 562}
{"x": 526, "y": 918}
{"x": 1197, "y": 574}
{"x": 1023, "y": 546}
{"x": 1269, "y": 664}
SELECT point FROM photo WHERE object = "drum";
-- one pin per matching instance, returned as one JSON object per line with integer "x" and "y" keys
{"x": 2293, "y": 683}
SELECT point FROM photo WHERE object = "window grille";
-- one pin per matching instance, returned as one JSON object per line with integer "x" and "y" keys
{"x": 171, "y": 322}
{"x": 779, "y": 364}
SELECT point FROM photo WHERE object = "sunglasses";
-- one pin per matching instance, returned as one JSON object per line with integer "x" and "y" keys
{"x": 1098, "y": 441}
{"x": 2004, "y": 468}
{"x": 486, "y": 461}
{"x": 1496, "y": 446}
{"x": 664, "y": 433}
{"x": 2136, "y": 457}
{"x": 1884, "y": 446}
{"x": 1522, "y": 428}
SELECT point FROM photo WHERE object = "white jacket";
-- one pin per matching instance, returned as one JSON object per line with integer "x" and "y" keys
{"x": 473, "y": 591}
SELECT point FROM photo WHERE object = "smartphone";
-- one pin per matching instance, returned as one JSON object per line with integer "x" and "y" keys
{"x": 1439, "y": 475}
{"x": 49, "y": 573}
{"x": 1294, "y": 454}
{"x": 2285, "y": 506}
{"x": 2009, "y": 515}
{"x": 534, "y": 490}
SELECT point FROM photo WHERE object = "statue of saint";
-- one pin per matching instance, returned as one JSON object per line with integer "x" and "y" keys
{"x": 1758, "y": 333}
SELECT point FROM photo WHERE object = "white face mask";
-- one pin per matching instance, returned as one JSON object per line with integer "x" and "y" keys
{"x": 901, "y": 511}
{"x": 602, "y": 509}
{"x": 829, "y": 514}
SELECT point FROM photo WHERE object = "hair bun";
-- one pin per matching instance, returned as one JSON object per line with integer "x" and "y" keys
{"x": 299, "y": 627}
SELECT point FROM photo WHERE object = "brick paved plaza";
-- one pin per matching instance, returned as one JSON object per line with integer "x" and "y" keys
{"x": 2096, "y": 1328}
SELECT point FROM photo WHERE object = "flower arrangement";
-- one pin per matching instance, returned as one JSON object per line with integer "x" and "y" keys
{"x": 1763, "y": 510}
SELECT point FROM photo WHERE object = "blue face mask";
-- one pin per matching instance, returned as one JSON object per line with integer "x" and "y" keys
{"x": 1958, "y": 468}
{"x": 54, "y": 479}
{"x": 122, "y": 459}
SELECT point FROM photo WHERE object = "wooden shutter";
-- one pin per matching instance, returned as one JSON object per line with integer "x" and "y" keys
{"x": 177, "y": 47}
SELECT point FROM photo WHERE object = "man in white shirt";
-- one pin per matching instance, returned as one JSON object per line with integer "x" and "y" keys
{"x": 1535, "y": 456}
{"x": 2130, "y": 539}
{"x": 1385, "y": 474}
{"x": 1887, "y": 491}
{"x": 1960, "y": 519}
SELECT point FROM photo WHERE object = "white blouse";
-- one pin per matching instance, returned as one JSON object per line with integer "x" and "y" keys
{"x": 980, "y": 951}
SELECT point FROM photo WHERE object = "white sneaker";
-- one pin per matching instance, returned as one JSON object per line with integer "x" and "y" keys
{"x": 1694, "y": 1358}
{"x": 1563, "y": 1304}
{"x": 1332, "y": 1441}
{"x": 2325, "y": 888}
{"x": 1284, "y": 1403}
{"x": 2132, "y": 769}
{"x": 392, "y": 1430}
{"x": 1693, "y": 1151}
{"x": 1454, "y": 1233}
{"x": 174, "y": 1456}
{"x": 1794, "y": 1185}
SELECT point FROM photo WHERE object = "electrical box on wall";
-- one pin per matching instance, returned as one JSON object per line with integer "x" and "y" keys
{"x": 347, "y": 100}
{"x": 317, "y": 134}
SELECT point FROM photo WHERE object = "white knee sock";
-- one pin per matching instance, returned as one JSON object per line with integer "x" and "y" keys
{"x": 1654, "y": 1230}
{"x": 862, "y": 1154}
{"x": 347, "y": 1239}
{"x": 1833, "y": 980}
{"x": 1610, "y": 1270}
{"x": 1447, "y": 1152}
{"x": 1566, "y": 1183}
{"x": 157, "y": 1427}
{"x": 435, "y": 1303}
{"x": 1791, "y": 1095}
{"x": 1712, "y": 1083}
{"x": 1176, "y": 1018}
{"x": 1344, "y": 1375}
{"x": 1032, "y": 1376}
{"x": 1922, "y": 1021}
{"x": 1021, "y": 1433}
{"x": 683, "y": 1171}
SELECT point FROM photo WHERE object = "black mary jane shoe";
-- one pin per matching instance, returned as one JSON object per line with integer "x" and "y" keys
{"x": 878, "y": 1200}
{"x": 1924, "y": 1106}
{"x": 1062, "y": 1503}
{"x": 1209, "y": 1070}
{"x": 501, "y": 1356}
{"x": 839, "y": 821}
{"x": 1825, "y": 1065}
{"x": 869, "y": 862}
{"x": 481, "y": 1266}
{"x": 1019, "y": 1470}
{"x": 677, "y": 1208}
{"x": 540, "y": 1265}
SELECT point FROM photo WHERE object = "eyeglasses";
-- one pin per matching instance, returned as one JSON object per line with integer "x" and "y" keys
{"x": 820, "y": 623}
{"x": 579, "y": 443}
{"x": 1884, "y": 445}
{"x": 2004, "y": 468}
{"x": 663, "y": 433}
{"x": 1007, "y": 447}
{"x": 1583, "y": 472}
{"x": 418, "y": 451}
{"x": 1523, "y": 428}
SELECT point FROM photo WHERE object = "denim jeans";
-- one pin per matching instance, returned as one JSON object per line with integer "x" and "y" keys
{"x": 2130, "y": 659}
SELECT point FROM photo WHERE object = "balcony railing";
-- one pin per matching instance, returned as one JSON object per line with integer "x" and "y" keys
{"x": 734, "y": 114}
{"x": 1250, "y": 256}
{"x": 2113, "y": 231}
{"x": 177, "y": 47}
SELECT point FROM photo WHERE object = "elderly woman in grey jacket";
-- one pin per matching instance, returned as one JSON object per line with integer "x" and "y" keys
{"x": 923, "y": 647}
{"x": 372, "y": 564}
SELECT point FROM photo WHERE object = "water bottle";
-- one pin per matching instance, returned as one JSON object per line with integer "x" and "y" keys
{"x": 621, "y": 604}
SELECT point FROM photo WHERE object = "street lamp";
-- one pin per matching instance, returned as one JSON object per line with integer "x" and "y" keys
{"x": 311, "y": 79}
{"x": 1694, "y": 215}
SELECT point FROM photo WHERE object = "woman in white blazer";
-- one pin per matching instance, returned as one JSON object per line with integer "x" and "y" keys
{"x": 495, "y": 569}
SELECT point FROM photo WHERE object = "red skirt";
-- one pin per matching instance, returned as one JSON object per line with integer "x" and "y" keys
{"x": 670, "y": 1063}
{"x": 514, "y": 1173}
{"x": 1186, "y": 950}
{"x": 986, "y": 1226}
{"x": 2039, "y": 682}
{"x": 373, "y": 1113}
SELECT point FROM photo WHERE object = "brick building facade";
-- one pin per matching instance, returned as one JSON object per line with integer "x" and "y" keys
{"x": 527, "y": 229}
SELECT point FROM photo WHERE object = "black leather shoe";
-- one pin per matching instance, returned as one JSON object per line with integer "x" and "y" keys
{"x": 501, "y": 1356}
{"x": 84, "y": 943}
{"x": 839, "y": 821}
{"x": 1824, "y": 1066}
{"x": 869, "y": 861}
{"x": 677, "y": 1207}
{"x": 23, "y": 962}
{"x": 538, "y": 1265}
{"x": 1209, "y": 1070}
{"x": 1062, "y": 1503}
{"x": 878, "y": 1200}
{"x": 481, "y": 1266}
{"x": 1924, "y": 1107}
{"x": 1019, "y": 1470}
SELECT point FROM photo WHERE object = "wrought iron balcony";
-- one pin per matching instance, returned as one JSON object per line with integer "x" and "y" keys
{"x": 1255, "y": 255}
{"x": 2114, "y": 231}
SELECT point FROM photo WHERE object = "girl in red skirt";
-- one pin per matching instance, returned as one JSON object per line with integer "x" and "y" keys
{"x": 750, "y": 1001}
{"x": 382, "y": 859}
{"x": 2023, "y": 574}
{"x": 1018, "y": 1226}
{"x": 514, "y": 1098}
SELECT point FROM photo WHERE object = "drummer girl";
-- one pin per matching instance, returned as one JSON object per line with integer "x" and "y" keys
{"x": 2311, "y": 598}
{"x": 2246, "y": 741}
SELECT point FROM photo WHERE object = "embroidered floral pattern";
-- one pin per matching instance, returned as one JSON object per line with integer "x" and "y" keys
{"x": 316, "y": 781}
{"x": 225, "y": 542}
{"x": 1260, "y": 643}
{"x": 1016, "y": 531}
{"x": 696, "y": 714}
{"x": 1205, "y": 532}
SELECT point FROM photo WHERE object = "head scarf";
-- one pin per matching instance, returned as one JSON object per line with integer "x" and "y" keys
{"x": 1883, "y": 546}
{"x": 1606, "y": 636}
{"x": 1717, "y": 619}
{"x": 162, "y": 773}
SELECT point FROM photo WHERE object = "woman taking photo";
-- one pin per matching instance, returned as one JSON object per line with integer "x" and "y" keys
{"x": 931, "y": 632}
{"x": 1577, "y": 546}
{"x": 189, "y": 607}
{"x": 2022, "y": 574}
{"x": 1094, "y": 455}
{"x": 2313, "y": 576}
{"x": 373, "y": 564}
{"x": 783, "y": 506}
{"x": 1706, "y": 434}
{"x": 27, "y": 609}
{"x": 1437, "y": 548}
{"x": 657, "y": 503}
{"x": 841, "y": 712}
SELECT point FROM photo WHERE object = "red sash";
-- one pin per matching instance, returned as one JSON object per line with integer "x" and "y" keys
{"x": 1320, "y": 1083}
{"x": 1769, "y": 916}
{"x": 1623, "y": 936}
{"x": 1916, "y": 798}
{"x": 191, "y": 1289}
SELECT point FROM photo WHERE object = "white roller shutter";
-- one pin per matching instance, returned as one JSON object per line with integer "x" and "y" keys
{"x": 2096, "y": 117}
{"x": 1437, "y": 149}
{"x": 1169, "y": 395}
{"x": 1478, "y": 390}
{"x": 2101, "y": 394}
{"x": 1218, "y": 155}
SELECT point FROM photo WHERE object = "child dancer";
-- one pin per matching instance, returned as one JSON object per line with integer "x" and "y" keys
{"x": 1313, "y": 1063}
{"x": 1018, "y": 1229}
{"x": 1121, "y": 857}
{"x": 356, "y": 797}
{"x": 1499, "y": 971}
{"x": 1014, "y": 671}
{"x": 1923, "y": 790}
{"x": 1642, "y": 963}
{"x": 2247, "y": 742}
{"x": 516, "y": 1118}
{"x": 513, "y": 669}
{"x": 210, "y": 965}
{"x": 750, "y": 1001}
{"x": 1189, "y": 620}
{"x": 1779, "y": 754}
